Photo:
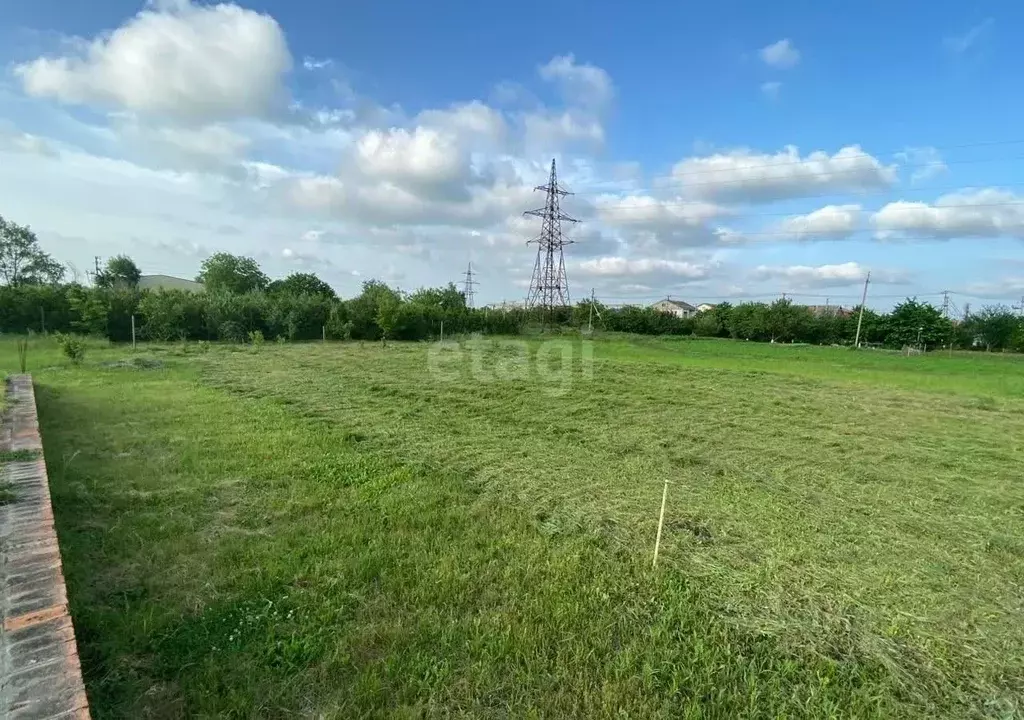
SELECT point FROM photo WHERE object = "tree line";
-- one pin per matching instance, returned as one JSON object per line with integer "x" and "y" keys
{"x": 239, "y": 301}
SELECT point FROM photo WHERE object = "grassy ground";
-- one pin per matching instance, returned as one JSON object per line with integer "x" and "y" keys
{"x": 351, "y": 530}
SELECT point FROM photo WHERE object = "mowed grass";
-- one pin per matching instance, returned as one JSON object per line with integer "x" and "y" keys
{"x": 348, "y": 530}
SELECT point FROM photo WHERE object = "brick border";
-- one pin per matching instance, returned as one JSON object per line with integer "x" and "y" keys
{"x": 40, "y": 675}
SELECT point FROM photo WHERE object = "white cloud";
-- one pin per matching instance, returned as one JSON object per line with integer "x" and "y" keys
{"x": 472, "y": 121}
{"x": 582, "y": 85}
{"x": 178, "y": 60}
{"x": 647, "y": 211}
{"x": 1011, "y": 287}
{"x": 807, "y": 276}
{"x": 926, "y": 163}
{"x": 988, "y": 212}
{"x": 781, "y": 54}
{"x": 743, "y": 175}
{"x": 649, "y": 222}
{"x": 832, "y": 222}
{"x": 624, "y": 267}
{"x": 213, "y": 148}
{"x": 960, "y": 44}
{"x": 13, "y": 140}
{"x": 422, "y": 155}
{"x": 549, "y": 131}
{"x": 771, "y": 89}
{"x": 311, "y": 63}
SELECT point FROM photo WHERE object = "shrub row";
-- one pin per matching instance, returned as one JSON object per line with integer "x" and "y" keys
{"x": 380, "y": 311}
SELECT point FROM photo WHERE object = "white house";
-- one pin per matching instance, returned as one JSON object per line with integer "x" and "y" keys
{"x": 676, "y": 307}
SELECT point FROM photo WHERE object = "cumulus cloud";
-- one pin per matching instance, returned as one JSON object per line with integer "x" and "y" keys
{"x": 644, "y": 210}
{"x": 988, "y": 212}
{"x": 832, "y": 222}
{"x": 817, "y": 276}
{"x": 743, "y": 175}
{"x": 550, "y": 131}
{"x": 472, "y": 121}
{"x": 582, "y": 85}
{"x": 422, "y": 156}
{"x": 625, "y": 267}
{"x": 781, "y": 54}
{"x": 179, "y": 60}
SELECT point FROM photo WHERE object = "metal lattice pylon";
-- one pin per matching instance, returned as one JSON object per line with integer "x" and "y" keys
{"x": 469, "y": 286}
{"x": 549, "y": 287}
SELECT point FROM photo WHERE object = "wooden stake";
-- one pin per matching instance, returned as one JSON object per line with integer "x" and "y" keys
{"x": 133, "y": 332}
{"x": 323, "y": 332}
{"x": 661, "y": 522}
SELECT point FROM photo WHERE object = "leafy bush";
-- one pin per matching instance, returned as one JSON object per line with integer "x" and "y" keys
{"x": 256, "y": 337}
{"x": 72, "y": 346}
{"x": 231, "y": 331}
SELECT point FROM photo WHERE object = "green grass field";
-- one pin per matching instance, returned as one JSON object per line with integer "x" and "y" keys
{"x": 347, "y": 530}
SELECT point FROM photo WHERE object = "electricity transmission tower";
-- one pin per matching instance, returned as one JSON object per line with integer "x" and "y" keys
{"x": 468, "y": 286}
{"x": 945, "y": 304}
{"x": 549, "y": 287}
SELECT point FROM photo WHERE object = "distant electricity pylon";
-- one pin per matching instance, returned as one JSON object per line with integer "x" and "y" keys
{"x": 468, "y": 286}
{"x": 549, "y": 287}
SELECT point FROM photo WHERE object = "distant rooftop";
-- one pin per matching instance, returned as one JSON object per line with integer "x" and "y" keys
{"x": 678, "y": 303}
{"x": 168, "y": 282}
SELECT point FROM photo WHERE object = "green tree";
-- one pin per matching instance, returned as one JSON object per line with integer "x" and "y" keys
{"x": 224, "y": 272}
{"x": 22, "y": 261}
{"x": 120, "y": 272}
{"x": 301, "y": 284}
{"x": 786, "y": 321}
{"x": 995, "y": 326}
{"x": 362, "y": 311}
{"x": 387, "y": 315}
{"x": 749, "y": 321}
{"x": 912, "y": 322}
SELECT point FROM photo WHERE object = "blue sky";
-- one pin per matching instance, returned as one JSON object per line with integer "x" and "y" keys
{"x": 729, "y": 149}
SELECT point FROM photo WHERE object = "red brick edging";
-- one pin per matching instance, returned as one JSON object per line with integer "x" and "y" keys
{"x": 40, "y": 676}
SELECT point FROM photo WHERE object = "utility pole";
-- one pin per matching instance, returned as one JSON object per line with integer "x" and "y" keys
{"x": 967, "y": 312}
{"x": 549, "y": 287}
{"x": 467, "y": 286}
{"x": 590, "y": 320}
{"x": 860, "y": 318}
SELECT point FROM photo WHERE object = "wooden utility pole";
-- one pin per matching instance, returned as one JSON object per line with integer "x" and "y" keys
{"x": 133, "y": 332}
{"x": 661, "y": 522}
{"x": 860, "y": 317}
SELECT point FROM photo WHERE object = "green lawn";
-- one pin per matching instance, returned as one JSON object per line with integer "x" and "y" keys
{"x": 348, "y": 530}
